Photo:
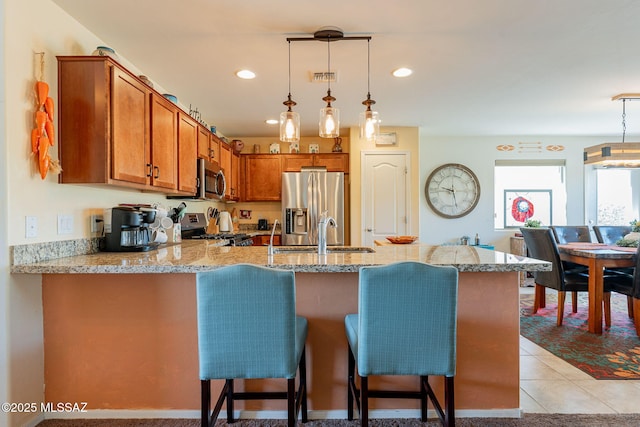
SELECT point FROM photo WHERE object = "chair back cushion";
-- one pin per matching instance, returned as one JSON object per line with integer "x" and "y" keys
{"x": 541, "y": 245}
{"x": 571, "y": 233}
{"x": 247, "y": 323}
{"x": 407, "y": 319}
{"x": 610, "y": 234}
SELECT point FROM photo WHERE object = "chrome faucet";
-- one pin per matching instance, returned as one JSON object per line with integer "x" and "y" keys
{"x": 322, "y": 232}
{"x": 270, "y": 250}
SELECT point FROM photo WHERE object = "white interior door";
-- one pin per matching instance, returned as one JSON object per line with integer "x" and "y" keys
{"x": 384, "y": 196}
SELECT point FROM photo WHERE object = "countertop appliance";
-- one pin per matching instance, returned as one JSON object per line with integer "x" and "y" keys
{"x": 211, "y": 183}
{"x": 194, "y": 226}
{"x": 305, "y": 196}
{"x": 127, "y": 229}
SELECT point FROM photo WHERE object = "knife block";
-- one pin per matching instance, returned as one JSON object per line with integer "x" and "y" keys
{"x": 212, "y": 227}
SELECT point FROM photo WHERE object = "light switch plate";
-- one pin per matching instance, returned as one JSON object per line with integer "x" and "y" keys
{"x": 31, "y": 226}
{"x": 65, "y": 224}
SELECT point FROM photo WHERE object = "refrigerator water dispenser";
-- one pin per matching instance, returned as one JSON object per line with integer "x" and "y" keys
{"x": 296, "y": 221}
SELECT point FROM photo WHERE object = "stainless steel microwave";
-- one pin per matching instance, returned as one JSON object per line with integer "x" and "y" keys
{"x": 211, "y": 183}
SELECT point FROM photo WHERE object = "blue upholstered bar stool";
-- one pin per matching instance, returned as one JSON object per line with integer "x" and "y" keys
{"x": 406, "y": 325}
{"x": 248, "y": 328}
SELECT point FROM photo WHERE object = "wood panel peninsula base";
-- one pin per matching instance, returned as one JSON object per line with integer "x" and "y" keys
{"x": 128, "y": 340}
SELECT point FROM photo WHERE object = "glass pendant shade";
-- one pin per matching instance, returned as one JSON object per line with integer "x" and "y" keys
{"x": 369, "y": 125}
{"x": 329, "y": 122}
{"x": 289, "y": 126}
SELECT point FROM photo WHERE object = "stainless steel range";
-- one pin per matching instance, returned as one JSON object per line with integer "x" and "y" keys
{"x": 194, "y": 226}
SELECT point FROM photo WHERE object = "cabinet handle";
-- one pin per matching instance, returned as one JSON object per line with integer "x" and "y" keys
{"x": 157, "y": 169}
{"x": 369, "y": 230}
{"x": 149, "y": 172}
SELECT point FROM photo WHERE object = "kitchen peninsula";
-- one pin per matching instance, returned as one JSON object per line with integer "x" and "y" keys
{"x": 119, "y": 335}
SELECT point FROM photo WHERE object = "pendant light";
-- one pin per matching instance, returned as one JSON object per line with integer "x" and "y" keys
{"x": 615, "y": 154}
{"x": 369, "y": 120}
{"x": 329, "y": 116}
{"x": 289, "y": 120}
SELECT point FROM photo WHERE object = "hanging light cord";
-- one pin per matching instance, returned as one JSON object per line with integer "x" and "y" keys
{"x": 624, "y": 116}
{"x": 329, "y": 64}
{"x": 289, "y": 102}
{"x": 368, "y": 68}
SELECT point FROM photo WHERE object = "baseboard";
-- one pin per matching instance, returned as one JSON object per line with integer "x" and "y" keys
{"x": 313, "y": 414}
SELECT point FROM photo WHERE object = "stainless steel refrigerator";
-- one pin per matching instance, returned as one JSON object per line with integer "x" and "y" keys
{"x": 305, "y": 196}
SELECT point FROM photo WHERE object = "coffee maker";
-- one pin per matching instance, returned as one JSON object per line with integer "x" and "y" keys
{"x": 127, "y": 229}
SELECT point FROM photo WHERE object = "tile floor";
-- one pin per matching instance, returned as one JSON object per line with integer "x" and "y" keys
{"x": 550, "y": 385}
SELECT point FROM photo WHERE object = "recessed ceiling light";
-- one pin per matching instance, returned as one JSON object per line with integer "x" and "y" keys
{"x": 271, "y": 121}
{"x": 246, "y": 74}
{"x": 402, "y": 72}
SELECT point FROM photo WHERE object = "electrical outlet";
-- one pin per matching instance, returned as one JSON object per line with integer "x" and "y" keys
{"x": 95, "y": 223}
{"x": 31, "y": 226}
{"x": 65, "y": 224}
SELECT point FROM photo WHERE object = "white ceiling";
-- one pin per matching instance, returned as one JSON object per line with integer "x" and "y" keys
{"x": 481, "y": 67}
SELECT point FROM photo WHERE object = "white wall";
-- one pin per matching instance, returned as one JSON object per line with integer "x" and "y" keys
{"x": 32, "y": 26}
{"x": 480, "y": 154}
{"x": 4, "y": 213}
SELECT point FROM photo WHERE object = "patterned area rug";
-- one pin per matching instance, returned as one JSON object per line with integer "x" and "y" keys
{"x": 613, "y": 355}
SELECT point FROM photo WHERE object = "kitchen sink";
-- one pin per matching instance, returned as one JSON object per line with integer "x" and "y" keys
{"x": 314, "y": 249}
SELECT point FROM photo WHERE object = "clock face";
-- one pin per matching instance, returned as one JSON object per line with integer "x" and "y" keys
{"x": 452, "y": 190}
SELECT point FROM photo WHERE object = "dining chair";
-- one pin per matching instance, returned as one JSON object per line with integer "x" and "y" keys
{"x": 542, "y": 245}
{"x": 248, "y": 328}
{"x": 568, "y": 234}
{"x": 405, "y": 325}
{"x": 571, "y": 233}
{"x": 629, "y": 285}
{"x": 610, "y": 234}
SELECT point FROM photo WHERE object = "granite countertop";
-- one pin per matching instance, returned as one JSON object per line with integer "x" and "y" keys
{"x": 192, "y": 256}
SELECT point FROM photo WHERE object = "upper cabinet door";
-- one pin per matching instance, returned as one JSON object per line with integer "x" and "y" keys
{"x": 164, "y": 147}
{"x": 334, "y": 162}
{"x": 262, "y": 178}
{"x": 293, "y": 162}
{"x": 204, "y": 138}
{"x": 225, "y": 165}
{"x": 188, "y": 153}
{"x": 129, "y": 127}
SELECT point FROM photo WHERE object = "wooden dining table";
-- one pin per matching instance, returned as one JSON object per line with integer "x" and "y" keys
{"x": 597, "y": 256}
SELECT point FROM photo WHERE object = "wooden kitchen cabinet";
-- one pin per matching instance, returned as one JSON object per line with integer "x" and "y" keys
{"x": 103, "y": 124}
{"x": 208, "y": 145}
{"x": 164, "y": 146}
{"x": 187, "y": 153}
{"x": 114, "y": 129}
{"x": 262, "y": 177}
{"x": 263, "y": 240}
{"x": 235, "y": 176}
{"x": 334, "y": 162}
{"x": 225, "y": 165}
{"x": 204, "y": 138}
{"x": 230, "y": 165}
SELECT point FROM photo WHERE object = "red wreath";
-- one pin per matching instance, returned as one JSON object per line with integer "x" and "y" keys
{"x": 521, "y": 209}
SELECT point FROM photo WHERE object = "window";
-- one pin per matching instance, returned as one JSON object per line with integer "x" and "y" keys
{"x": 615, "y": 196}
{"x": 529, "y": 190}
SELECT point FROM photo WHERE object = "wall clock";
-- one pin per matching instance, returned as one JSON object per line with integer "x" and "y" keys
{"x": 452, "y": 190}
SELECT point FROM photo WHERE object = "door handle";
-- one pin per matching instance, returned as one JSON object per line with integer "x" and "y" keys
{"x": 369, "y": 230}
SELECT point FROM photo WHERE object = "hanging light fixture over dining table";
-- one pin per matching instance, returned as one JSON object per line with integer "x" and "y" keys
{"x": 616, "y": 154}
